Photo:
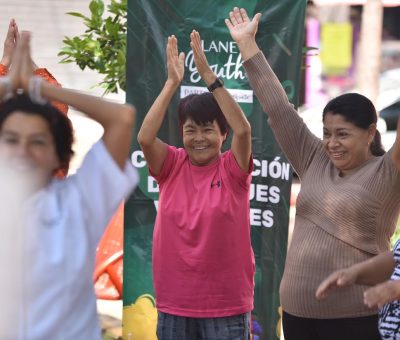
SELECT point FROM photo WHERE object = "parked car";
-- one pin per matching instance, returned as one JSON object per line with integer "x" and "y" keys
{"x": 390, "y": 115}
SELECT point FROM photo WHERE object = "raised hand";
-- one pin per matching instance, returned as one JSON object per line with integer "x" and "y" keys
{"x": 175, "y": 61}
{"x": 200, "y": 59}
{"x": 9, "y": 43}
{"x": 21, "y": 70}
{"x": 382, "y": 294}
{"x": 241, "y": 28}
{"x": 338, "y": 279}
{"x": 26, "y": 67}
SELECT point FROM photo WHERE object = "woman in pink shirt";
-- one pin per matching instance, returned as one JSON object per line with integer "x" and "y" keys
{"x": 203, "y": 263}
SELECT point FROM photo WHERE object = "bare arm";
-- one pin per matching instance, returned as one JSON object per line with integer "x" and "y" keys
{"x": 116, "y": 119}
{"x": 154, "y": 149}
{"x": 241, "y": 140}
{"x": 370, "y": 272}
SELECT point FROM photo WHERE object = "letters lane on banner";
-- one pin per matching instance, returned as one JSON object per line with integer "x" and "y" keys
{"x": 280, "y": 36}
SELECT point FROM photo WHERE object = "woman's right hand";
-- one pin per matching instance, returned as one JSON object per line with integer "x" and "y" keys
{"x": 338, "y": 279}
{"x": 175, "y": 62}
{"x": 241, "y": 28}
{"x": 9, "y": 43}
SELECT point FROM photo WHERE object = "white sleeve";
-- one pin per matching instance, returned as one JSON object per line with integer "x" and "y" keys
{"x": 102, "y": 186}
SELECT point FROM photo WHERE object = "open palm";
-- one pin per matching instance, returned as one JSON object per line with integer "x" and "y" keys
{"x": 200, "y": 58}
{"x": 240, "y": 26}
{"x": 175, "y": 61}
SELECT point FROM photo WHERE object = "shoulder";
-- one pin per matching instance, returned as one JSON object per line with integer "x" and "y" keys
{"x": 173, "y": 162}
{"x": 233, "y": 170}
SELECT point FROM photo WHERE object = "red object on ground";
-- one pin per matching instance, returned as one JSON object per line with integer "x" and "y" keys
{"x": 107, "y": 274}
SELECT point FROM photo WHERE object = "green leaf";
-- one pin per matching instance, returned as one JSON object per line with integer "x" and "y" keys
{"x": 96, "y": 8}
{"x": 102, "y": 46}
{"x": 76, "y": 14}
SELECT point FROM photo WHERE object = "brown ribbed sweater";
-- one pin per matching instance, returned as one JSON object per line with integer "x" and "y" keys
{"x": 339, "y": 220}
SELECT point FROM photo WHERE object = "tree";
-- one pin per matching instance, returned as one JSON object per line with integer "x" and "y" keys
{"x": 103, "y": 45}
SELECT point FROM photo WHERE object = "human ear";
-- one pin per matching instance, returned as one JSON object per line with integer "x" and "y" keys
{"x": 371, "y": 133}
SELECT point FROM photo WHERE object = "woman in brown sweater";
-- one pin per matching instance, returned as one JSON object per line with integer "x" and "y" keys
{"x": 348, "y": 204}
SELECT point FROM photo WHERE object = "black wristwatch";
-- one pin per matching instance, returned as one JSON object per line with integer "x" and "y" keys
{"x": 217, "y": 83}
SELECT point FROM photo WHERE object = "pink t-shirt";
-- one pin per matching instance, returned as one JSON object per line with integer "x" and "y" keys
{"x": 203, "y": 262}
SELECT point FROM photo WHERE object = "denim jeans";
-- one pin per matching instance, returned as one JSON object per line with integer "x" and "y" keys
{"x": 172, "y": 327}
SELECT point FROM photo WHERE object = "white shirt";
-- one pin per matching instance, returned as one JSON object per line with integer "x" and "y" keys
{"x": 65, "y": 223}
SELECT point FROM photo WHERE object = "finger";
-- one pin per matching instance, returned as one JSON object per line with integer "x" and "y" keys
{"x": 10, "y": 30}
{"x": 232, "y": 17}
{"x": 244, "y": 15}
{"x": 25, "y": 45}
{"x": 321, "y": 292}
{"x": 228, "y": 24}
{"x": 25, "y": 38}
{"x": 327, "y": 285}
{"x": 174, "y": 46}
{"x": 256, "y": 18}
{"x": 16, "y": 32}
{"x": 237, "y": 15}
{"x": 169, "y": 48}
{"x": 376, "y": 296}
{"x": 196, "y": 38}
{"x": 194, "y": 42}
{"x": 197, "y": 51}
{"x": 368, "y": 299}
{"x": 181, "y": 58}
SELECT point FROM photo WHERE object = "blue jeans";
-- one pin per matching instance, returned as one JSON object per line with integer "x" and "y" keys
{"x": 172, "y": 327}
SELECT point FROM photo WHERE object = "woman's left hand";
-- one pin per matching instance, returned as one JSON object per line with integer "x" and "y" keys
{"x": 200, "y": 59}
{"x": 22, "y": 70}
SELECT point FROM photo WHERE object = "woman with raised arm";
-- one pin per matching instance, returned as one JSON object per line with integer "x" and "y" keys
{"x": 203, "y": 263}
{"x": 63, "y": 220}
{"x": 10, "y": 41}
{"x": 348, "y": 204}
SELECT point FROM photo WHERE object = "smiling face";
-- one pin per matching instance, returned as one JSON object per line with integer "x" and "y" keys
{"x": 202, "y": 142}
{"x": 27, "y": 146}
{"x": 346, "y": 144}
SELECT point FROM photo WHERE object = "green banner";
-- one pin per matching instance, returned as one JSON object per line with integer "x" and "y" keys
{"x": 280, "y": 36}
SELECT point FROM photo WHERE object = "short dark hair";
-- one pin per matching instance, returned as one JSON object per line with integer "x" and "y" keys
{"x": 202, "y": 109}
{"x": 358, "y": 110}
{"x": 60, "y": 125}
